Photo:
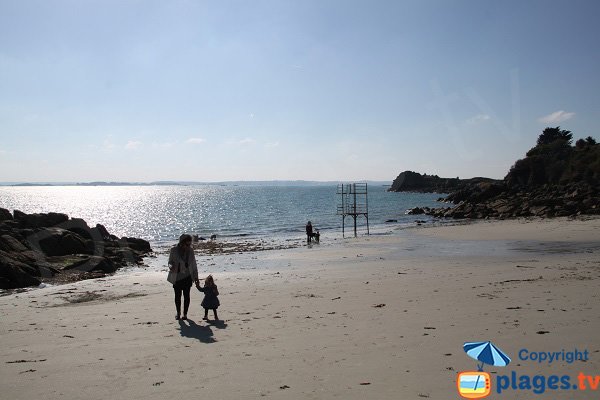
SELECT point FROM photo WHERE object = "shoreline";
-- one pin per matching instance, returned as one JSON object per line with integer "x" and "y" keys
{"x": 382, "y": 316}
{"x": 249, "y": 250}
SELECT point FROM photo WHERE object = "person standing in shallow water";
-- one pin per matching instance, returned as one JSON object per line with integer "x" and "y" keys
{"x": 182, "y": 262}
{"x": 309, "y": 232}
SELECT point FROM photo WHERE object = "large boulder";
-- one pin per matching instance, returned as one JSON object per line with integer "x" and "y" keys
{"x": 40, "y": 220}
{"x": 36, "y": 260}
{"x": 58, "y": 242}
{"x": 140, "y": 245}
{"x": 123, "y": 255}
{"x": 15, "y": 274}
{"x": 101, "y": 229}
{"x": 80, "y": 227}
{"x": 10, "y": 244}
{"x": 5, "y": 215}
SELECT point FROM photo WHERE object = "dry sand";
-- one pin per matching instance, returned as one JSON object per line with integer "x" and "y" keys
{"x": 380, "y": 317}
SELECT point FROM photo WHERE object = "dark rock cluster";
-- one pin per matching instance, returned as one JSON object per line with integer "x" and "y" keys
{"x": 53, "y": 247}
{"x": 501, "y": 201}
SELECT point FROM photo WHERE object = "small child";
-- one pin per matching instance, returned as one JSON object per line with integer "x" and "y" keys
{"x": 211, "y": 301}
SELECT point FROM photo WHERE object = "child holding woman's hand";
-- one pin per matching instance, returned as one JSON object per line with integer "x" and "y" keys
{"x": 211, "y": 299}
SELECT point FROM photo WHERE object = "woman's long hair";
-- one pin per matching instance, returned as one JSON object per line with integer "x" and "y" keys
{"x": 183, "y": 239}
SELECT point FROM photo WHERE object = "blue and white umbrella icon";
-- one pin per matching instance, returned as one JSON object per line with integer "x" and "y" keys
{"x": 487, "y": 353}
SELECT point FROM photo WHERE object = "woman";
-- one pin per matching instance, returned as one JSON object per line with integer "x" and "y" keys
{"x": 309, "y": 232}
{"x": 182, "y": 266}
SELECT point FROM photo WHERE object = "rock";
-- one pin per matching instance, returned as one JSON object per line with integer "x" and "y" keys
{"x": 5, "y": 215}
{"x": 10, "y": 244}
{"x": 40, "y": 220}
{"x": 52, "y": 246}
{"x": 137, "y": 244}
{"x": 83, "y": 263}
{"x": 15, "y": 274}
{"x": 80, "y": 227}
{"x": 104, "y": 233}
{"x": 19, "y": 215}
{"x": 35, "y": 260}
{"x": 96, "y": 263}
{"x": 486, "y": 200}
{"x": 124, "y": 255}
{"x": 505, "y": 209}
{"x": 416, "y": 211}
{"x": 58, "y": 242}
{"x": 488, "y": 190}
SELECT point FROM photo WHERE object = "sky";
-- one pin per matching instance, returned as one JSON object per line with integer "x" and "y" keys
{"x": 322, "y": 90}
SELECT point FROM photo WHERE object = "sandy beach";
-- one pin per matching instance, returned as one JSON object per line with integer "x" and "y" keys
{"x": 380, "y": 317}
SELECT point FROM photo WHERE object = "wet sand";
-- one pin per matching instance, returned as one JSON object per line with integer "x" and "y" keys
{"x": 380, "y": 316}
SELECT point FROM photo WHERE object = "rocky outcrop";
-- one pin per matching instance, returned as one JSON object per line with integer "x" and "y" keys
{"x": 52, "y": 247}
{"x": 542, "y": 201}
{"x": 409, "y": 181}
{"x": 555, "y": 179}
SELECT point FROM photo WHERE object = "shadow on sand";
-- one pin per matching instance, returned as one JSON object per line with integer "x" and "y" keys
{"x": 220, "y": 324}
{"x": 190, "y": 329}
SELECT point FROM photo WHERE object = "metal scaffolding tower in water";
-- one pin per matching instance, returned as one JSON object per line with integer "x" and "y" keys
{"x": 354, "y": 202}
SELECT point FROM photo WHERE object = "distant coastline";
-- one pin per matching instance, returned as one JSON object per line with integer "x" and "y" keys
{"x": 192, "y": 183}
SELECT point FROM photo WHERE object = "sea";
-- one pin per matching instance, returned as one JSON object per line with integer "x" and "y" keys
{"x": 160, "y": 214}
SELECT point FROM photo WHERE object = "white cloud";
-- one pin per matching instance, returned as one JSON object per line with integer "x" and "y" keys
{"x": 195, "y": 140}
{"x": 556, "y": 117}
{"x": 242, "y": 142}
{"x": 163, "y": 145}
{"x": 108, "y": 144}
{"x": 271, "y": 145}
{"x": 133, "y": 145}
{"x": 477, "y": 119}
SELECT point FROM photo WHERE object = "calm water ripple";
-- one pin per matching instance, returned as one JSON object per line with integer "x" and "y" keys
{"x": 162, "y": 213}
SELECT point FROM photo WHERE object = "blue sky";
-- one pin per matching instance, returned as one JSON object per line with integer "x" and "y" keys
{"x": 317, "y": 90}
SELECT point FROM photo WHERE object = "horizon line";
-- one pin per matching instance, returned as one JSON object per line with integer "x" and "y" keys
{"x": 182, "y": 182}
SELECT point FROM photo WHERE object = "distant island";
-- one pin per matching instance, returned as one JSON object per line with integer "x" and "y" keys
{"x": 554, "y": 179}
{"x": 192, "y": 183}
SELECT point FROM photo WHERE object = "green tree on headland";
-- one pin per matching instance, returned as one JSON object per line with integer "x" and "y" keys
{"x": 555, "y": 161}
{"x": 550, "y": 135}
